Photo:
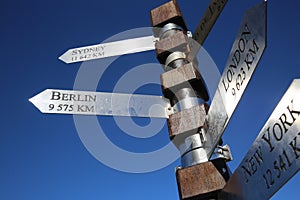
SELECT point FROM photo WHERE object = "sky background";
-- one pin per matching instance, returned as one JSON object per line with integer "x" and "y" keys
{"x": 42, "y": 156}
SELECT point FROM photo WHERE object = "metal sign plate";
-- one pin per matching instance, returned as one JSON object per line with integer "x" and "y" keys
{"x": 205, "y": 25}
{"x": 109, "y": 49}
{"x": 100, "y": 103}
{"x": 274, "y": 157}
{"x": 208, "y": 20}
{"x": 245, "y": 54}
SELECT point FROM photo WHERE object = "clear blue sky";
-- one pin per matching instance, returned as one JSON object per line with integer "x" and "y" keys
{"x": 42, "y": 156}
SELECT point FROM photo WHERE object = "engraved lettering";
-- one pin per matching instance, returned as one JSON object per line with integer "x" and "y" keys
{"x": 295, "y": 149}
{"x": 64, "y": 97}
{"x": 292, "y": 112}
{"x": 55, "y": 95}
{"x": 279, "y": 133}
{"x": 72, "y": 97}
{"x": 232, "y": 69}
{"x": 253, "y": 165}
{"x": 80, "y": 108}
{"x": 272, "y": 135}
{"x": 250, "y": 55}
{"x": 250, "y": 167}
{"x": 236, "y": 59}
{"x": 225, "y": 86}
{"x": 285, "y": 121}
{"x": 242, "y": 45}
{"x": 276, "y": 167}
{"x": 255, "y": 48}
{"x": 268, "y": 139}
{"x": 246, "y": 172}
{"x": 85, "y": 108}
{"x": 246, "y": 32}
{"x": 258, "y": 156}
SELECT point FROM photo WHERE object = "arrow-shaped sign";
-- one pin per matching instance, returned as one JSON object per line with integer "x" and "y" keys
{"x": 146, "y": 43}
{"x": 208, "y": 20}
{"x": 245, "y": 54}
{"x": 205, "y": 25}
{"x": 109, "y": 49}
{"x": 101, "y": 103}
{"x": 274, "y": 156}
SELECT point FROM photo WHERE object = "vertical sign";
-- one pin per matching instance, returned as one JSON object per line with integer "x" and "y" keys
{"x": 205, "y": 25}
{"x": 274, "y": 156}
{"x": 209, "y": 18}
{"x": 245, "y": 54}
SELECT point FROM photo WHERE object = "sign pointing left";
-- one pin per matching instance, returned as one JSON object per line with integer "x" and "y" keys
{"x": 101, "y": 103}
{"x": 109, "y": 49}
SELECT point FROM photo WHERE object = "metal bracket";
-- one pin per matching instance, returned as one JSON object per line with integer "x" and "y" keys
{"x": 172, "y": 110}
{"x": 223, "y": 152}
{"x": 189, "y": 34}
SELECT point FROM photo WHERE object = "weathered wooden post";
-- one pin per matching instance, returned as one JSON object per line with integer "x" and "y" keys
{"x": 183, "y": 85}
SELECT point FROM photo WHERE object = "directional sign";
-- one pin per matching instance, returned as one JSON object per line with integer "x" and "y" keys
{"x": 100, "y": 103}
{"x": 109, "y": 49}
{"x": 209, "y": 18}
{"x": 245, "y": 54}
{"x": 274, "y": 156}
{"x": 205, "y": 25}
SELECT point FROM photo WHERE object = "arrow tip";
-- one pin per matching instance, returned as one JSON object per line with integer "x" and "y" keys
{"x": 33, "y": 101}
{"x": 65, "y": 58}
{"x": 37, "y": 101}
{"x": 60, "y": 58}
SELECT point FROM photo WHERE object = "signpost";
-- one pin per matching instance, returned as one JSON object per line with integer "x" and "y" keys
{"x": 100, "y": 103}
{"x": 109, "y": 49}
{"x": 273, "y": 158}
{"x": 245, "y": 54}
{"x": 275, "y": 154}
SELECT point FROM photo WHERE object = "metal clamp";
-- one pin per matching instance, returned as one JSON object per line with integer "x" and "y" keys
{"x": 172, "y": 110}
{"x": 174, "y": 56}
{"x": 168, "y": 27}
{"x": 189, "y": 34}
{"x": 222, "y": 152}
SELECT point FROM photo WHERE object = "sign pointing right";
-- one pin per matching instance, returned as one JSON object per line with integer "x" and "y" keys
{"x": 245, "y": 54}
{"x": 209, "y": 18}
{"x": 274, "y": 156}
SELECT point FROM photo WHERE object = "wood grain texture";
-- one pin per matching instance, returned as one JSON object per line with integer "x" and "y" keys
{"x": 187, "y": 121}
{"x": 166, "y": 46}
{"x": 202, "y": 181}
{"x": 187, "y": 76}
{"x": 167, "y": 13}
